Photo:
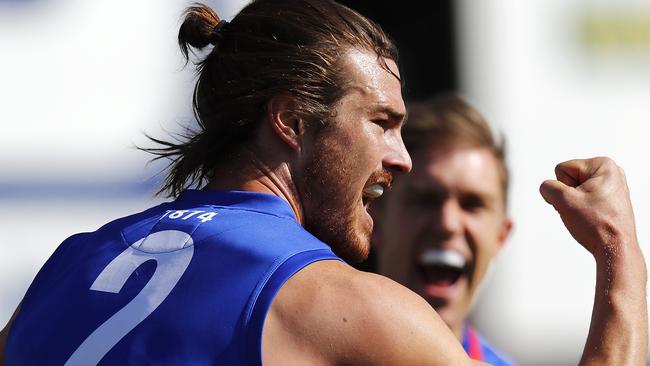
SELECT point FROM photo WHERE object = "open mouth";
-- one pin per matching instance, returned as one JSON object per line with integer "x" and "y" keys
{"x": 378, "y": 183}
{"x": 372, "y": 192}
{"x": 442, "y": 267}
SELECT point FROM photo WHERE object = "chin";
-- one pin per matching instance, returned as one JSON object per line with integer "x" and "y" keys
{"x": 359, "y": 239}
{"x": 353, "y": 248}
{"x": 346, "y": 234}
{"x": 359, "y": 253}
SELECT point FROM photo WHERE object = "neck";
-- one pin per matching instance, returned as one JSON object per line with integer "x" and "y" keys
{"x": 248, "y": 172}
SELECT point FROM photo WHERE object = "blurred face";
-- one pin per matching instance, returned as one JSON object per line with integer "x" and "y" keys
{"x": 350, "y": 162}
{"x": 442, "y": 225}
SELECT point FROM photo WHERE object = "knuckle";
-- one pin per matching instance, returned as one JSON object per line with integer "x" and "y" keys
{"x": 559, "y": 168}
{"x": 606, "y": 166}
{"x": 608, "y": 162}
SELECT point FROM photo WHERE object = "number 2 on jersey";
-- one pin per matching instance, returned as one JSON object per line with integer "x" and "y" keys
{"x": 173, "y": 251}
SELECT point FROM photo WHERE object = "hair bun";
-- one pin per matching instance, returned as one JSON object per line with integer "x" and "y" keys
{"x": 216, "y": 36}
{"x": 198, "y": 28}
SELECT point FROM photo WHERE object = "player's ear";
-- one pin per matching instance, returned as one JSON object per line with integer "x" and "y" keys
{"x": 281, "y": 113}
{"x": 505, "y": 230}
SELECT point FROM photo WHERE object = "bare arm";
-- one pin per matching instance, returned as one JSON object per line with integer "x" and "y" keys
{"x": 4, "y": 334}
{"x": 331, "y": 314}
{"x": 592, "y": 199}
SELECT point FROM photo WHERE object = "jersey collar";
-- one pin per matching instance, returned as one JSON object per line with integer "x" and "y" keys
{"x": 254, "y": 201}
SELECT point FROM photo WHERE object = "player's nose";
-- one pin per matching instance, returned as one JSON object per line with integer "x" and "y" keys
{"x": 397, "y": 159}
{"x": 450, "y": 217}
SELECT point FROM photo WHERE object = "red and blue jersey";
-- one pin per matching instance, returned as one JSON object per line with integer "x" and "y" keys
{"x": 186, "y": 282}
{"x": 479, "y": 349}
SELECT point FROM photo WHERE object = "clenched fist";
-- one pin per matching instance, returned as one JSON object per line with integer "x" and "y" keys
{"x": 592, "y": 198}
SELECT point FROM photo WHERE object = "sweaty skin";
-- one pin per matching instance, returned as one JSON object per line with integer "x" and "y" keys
{"x": 331, "y": 314}
{"x": 592, "y": 198}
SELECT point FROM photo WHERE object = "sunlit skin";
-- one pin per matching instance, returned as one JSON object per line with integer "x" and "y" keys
{"x": 451, "y": 200}
{"x": 331, "y": 314}
{"x": 321, "y": 168}
{"x": 361, "y": 145}
{"x": 348, "y": 316}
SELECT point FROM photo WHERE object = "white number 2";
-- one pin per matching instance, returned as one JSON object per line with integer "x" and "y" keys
{"x": 172, "y": 250}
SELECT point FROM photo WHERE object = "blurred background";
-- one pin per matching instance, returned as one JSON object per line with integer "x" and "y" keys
{"x": 82, "y": 81}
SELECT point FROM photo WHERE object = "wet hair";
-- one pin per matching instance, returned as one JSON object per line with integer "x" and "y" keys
{"x": 449, "y": 121}
{"x": 271, "y": 47}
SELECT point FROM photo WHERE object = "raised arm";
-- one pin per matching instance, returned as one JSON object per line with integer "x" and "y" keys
{"x": 593, "y": 201}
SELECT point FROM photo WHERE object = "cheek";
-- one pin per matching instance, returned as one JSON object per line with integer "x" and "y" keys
{"x": 484, "y": 234}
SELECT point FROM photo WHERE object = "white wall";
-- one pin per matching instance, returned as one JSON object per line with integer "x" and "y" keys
{"x": 559, "y": 89}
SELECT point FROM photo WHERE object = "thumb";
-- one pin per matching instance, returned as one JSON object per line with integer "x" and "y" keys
{"x": 554, "y": 192}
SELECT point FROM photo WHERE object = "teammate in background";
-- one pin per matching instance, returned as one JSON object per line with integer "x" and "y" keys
{"x": 441, "y": 226}
{"x": 300, "y": 112}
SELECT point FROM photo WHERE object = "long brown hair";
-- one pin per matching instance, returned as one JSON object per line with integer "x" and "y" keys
{"x": 270, "y": 47}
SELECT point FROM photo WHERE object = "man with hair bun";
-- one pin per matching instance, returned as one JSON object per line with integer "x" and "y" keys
{"x": 300, "y": 112}
{"x": 441, "y": 226}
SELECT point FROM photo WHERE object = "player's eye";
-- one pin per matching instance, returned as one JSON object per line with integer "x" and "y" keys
{"x": 381, "y": 122}
{"x": 472, "y": 203}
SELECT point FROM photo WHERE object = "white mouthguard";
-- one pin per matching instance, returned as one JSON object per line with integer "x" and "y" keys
{"x": 437, "y": 257}
{"x": 374, "y": 190}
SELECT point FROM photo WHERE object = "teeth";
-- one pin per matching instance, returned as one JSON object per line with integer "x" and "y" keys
{"x": 374, "y": 191}
{"x": 437, "y": 257}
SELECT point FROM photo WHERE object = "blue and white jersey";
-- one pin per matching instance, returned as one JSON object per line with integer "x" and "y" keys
{"x": 184, "y": 283}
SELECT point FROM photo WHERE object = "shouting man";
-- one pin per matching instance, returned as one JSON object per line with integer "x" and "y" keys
{"x": 300, "y": 112}
{"x": 442, "y": 225}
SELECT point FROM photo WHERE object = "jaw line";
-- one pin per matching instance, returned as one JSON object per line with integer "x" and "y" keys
{"x": 479, "y": 289}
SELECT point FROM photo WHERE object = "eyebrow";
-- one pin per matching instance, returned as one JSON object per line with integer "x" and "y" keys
{"x": 382, "y": 108}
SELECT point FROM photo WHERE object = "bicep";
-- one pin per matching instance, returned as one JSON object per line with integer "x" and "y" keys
{"x": 334, "y": 315}
{"x": 407, "y": 329}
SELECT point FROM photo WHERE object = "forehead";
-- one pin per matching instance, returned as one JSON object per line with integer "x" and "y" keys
{"x": 456, "y": 168}
{"x": 370, "y": 84}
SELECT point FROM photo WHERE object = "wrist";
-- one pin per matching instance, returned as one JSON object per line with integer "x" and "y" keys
{"x": 620, "y": 264}
{"x": 616, "y": 245}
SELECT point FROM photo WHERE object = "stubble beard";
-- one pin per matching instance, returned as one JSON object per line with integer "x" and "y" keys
{"x": 330, "y": 203}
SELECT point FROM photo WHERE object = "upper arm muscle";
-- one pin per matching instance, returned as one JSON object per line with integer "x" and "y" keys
{"x": 331, "y": 314}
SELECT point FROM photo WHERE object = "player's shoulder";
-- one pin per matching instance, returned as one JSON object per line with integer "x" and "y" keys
{"x": 335, "y": 281}
{"x": 346, "y": 316}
